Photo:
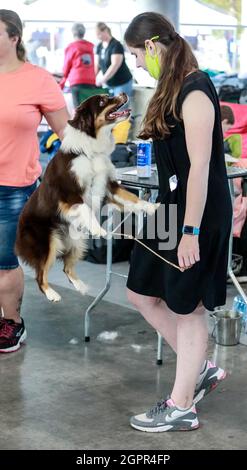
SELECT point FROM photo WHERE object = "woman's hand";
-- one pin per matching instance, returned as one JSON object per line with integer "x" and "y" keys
{"x": 188, "y": 251}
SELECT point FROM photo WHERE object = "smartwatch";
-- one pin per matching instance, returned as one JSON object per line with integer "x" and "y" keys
{"x": 189, "y": 230}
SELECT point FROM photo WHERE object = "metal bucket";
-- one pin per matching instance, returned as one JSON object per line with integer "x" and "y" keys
{"x": 227, "y": 327}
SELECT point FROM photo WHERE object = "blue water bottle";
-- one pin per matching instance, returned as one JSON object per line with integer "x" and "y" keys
{"x": 240, "y": 306}
{"x": 144, "y": 157}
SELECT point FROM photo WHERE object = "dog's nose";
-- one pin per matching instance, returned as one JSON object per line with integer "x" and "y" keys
{"x": 123, "y": 95}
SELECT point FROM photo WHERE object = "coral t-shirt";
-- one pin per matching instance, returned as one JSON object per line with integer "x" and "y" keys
{"x": 25, "y": 95}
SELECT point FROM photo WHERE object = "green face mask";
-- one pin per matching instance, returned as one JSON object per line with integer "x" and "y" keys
{"x": 152, "y": 62}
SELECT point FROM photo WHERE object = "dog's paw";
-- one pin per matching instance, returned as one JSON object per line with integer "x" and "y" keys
{"x": 147, "y": 207}
{"x": 52, "y": 295}
{"x": 80, "y": 286}
{"x": 99, "y": 232}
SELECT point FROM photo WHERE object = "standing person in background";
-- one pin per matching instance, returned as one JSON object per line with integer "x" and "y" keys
{"x": 78, "y": 66}
{"x": 27, "y": 93}
{"x": 183, "y": 120}
{"x": 110, "y": 60}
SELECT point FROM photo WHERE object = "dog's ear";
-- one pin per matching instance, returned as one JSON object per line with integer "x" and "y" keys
{"x": 84, "y": 120}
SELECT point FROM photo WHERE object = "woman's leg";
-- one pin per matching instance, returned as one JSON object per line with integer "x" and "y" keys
{"x": 186, "y": 334}
{"x": 157, "y": 314}
{"x": 125, "y": 88}
{"x": 12, "y": 201}
{"x": 11, "y": 293}
{"x": 192, "y": 344}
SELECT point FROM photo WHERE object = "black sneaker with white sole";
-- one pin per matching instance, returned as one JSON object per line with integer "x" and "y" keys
{"x": 12, "y": 334}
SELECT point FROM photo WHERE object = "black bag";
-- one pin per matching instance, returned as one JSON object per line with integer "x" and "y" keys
{"x": 124, "y": 155}
{"x": 121, "y": 250}
{"x": 230, "y": 93}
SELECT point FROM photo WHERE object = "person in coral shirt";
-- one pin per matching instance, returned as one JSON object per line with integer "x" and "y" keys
{"x": 27, "y": 93}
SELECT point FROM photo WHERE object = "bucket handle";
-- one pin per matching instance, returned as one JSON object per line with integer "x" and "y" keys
{"x": 215, "y": 324}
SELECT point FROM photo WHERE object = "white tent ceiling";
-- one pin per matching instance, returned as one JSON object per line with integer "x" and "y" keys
{"x": 194, "y": 12}
{"x": 191, "y": 11}
{"x": 74, "y": 10}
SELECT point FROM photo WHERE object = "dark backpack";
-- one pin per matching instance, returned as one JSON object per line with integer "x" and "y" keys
{"x": 124, "y": 155}
{"x": 230, "y": 93}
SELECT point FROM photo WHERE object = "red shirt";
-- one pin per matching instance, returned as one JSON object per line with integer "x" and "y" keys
{"x": 79, "y": 64}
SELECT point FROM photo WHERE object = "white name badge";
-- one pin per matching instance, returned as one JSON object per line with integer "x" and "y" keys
{"x": 173, "y": 182}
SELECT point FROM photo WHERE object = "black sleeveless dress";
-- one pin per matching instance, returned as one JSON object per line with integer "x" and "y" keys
{"x": 206, "y": 280}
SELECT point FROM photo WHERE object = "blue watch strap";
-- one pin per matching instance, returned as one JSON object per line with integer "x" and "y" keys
{"x": 190, "y": 230}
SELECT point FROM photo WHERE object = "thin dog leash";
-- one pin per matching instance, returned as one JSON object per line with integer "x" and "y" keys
{"x": 130, "y": 237}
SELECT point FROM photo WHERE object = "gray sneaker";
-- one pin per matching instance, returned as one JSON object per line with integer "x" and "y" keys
{"x": 165, "y": 416}
{"x": 211, "y": 377}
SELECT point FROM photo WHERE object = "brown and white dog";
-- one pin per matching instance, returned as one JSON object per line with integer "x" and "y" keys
{"x": 76, "y": 181}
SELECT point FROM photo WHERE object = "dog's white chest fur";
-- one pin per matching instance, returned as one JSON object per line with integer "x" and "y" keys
{"x": 92, "y": 175}
{"x": 93, "y": 167}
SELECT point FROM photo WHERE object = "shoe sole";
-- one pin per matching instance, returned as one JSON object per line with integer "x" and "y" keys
{"x": 167, "y": 428}
{"x": 205, "y": 391}
{"x": 17, "y": 346}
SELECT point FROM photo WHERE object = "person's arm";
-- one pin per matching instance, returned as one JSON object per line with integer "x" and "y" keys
{"x": 57, "y": 120}
{"x": 116, "y": 61}
{"x": 66, "y": 67}
{"x": 96, "y": 64}
{"x": 198, "y": 117}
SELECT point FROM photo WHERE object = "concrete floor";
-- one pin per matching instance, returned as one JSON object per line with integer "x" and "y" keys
{"x": 94, "y": 276}
{"x": 58, "y": 392}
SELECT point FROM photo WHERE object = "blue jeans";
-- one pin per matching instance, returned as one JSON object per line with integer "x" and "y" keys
{"x": 12, "y": 201}
{"x": 125, "y": 88}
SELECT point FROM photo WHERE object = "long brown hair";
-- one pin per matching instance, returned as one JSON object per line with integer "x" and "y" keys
{"x": 177, "y": 61}
{"x": 14, "y": 29}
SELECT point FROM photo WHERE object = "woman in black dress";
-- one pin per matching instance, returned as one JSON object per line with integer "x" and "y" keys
{"x": 183, "y": 120}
